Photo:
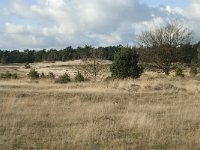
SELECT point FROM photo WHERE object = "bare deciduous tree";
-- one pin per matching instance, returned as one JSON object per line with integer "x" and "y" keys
{"x": 93, "y": 62}
{"x": 163, "y": 41}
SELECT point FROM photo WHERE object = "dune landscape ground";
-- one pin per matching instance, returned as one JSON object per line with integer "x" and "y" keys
{"x": 152, "y": 112}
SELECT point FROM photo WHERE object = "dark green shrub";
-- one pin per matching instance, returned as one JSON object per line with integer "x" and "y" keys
{"x": 79, "y": 77}
{"x": 193, "y": 70}
{"x": 179, "y": 72}
{"x": 125, "y": 64}
{"x": 51, "y": 75}
{"x": 63, "y": 79}
{"x": 27, "y": 66}
{"x": 33, "y": 74}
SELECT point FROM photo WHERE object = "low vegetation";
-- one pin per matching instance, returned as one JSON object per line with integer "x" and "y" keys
{"x": 179, "y": 72}
{"x": 8, "y": 75}
{"x": 79, "y": 77}
{"x": 27, "y": 66}
{"x": 193, "y": 70}
{"x": 33, "y": 74}
{"x": 51, "y": 75}
{"x": 147, "y": 113}
{"x": 63, "y": 78}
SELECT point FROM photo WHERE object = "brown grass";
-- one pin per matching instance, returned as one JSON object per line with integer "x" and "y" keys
{"x": 128, "y": 114}
{"x": 153, "y": 112}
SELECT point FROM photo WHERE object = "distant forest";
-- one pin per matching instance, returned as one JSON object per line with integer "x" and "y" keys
{"x": 186, "y": 54}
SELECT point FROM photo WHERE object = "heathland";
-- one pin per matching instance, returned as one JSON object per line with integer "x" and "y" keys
{"x": 153, "y": 112}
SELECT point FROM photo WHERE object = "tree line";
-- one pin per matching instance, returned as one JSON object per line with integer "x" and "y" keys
{"x": 68, "y": 53}
{"x": 187, "y": 53}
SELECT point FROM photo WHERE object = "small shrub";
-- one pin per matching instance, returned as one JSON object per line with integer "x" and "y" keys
{"x": 27, "y": 66}
{"x": 8, "y": 75}
{"x": 79, "y": 77}
{"x": 179, "y": 72}
{"x": 14, "y": 76}
{"x": 51, "y": 75}
{"x": 42, "y": 75}
{"x": 63, "y": 79}
{"x": 193, "y": 70}
{"x": 33, "y": 74}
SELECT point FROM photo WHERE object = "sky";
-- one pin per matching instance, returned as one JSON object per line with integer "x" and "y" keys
{"x": 39, "y": 24}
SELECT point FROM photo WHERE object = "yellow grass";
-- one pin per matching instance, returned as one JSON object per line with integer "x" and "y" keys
{"x": 153, "y": 112}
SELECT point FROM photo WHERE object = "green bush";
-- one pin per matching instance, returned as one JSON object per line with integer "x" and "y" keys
{"x": 63, "y": 79}
{"x": 79, "y": 77}
{"x": 125, "y": 64}
{"x": 193, "y": 70}
{"x": 33, "y": 74}
{"x": 179, "y": 72}
{"x": 51, "y": 75}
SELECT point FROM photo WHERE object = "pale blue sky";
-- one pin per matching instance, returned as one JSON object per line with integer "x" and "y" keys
{"x": 173, "y": 3}
{"x": 60, "y": 23}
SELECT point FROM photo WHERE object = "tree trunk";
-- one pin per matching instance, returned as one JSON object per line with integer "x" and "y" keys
{"x": 94, "y": 69}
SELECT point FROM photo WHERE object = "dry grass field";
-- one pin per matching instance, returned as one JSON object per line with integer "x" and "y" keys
{"x": 154, "y": 112}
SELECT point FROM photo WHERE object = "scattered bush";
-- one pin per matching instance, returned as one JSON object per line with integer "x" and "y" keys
{"x": 8, "y": 75}
{"x": 27, "y": 66}
{"x": 33, "y": 74}
{"x": 125, "y": 64}
{"x": 193, "y": 70}
{"x": 14, "y": 76}
{"x": 51, "y": 75}
{"x": 42, "y": 75}
{"x": 179, "y": 72}
{"x": 63, "y": 79}
{"x": 79, "y": 77}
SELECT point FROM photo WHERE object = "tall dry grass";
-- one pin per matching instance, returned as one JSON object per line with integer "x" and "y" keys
{"x": 148, "y": 113}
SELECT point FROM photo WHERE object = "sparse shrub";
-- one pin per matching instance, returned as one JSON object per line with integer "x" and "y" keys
{"x": 63, "y": 79}
{"x": 125, "y": 64}
{"x": 79, "y": 77}
{"x": 42, "y": 75}
{"x": 27, "y": 66}
{"x": 51, "y": 75}
{"x": 179, "y": 72}
{"x": 14, "y": 76}
{"x": 8, "y": 75}
{"x": 193, "y": 70}
{"x": 33, "y": 74}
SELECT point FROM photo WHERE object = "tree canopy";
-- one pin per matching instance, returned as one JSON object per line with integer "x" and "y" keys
{"x": 164, "y": 42}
